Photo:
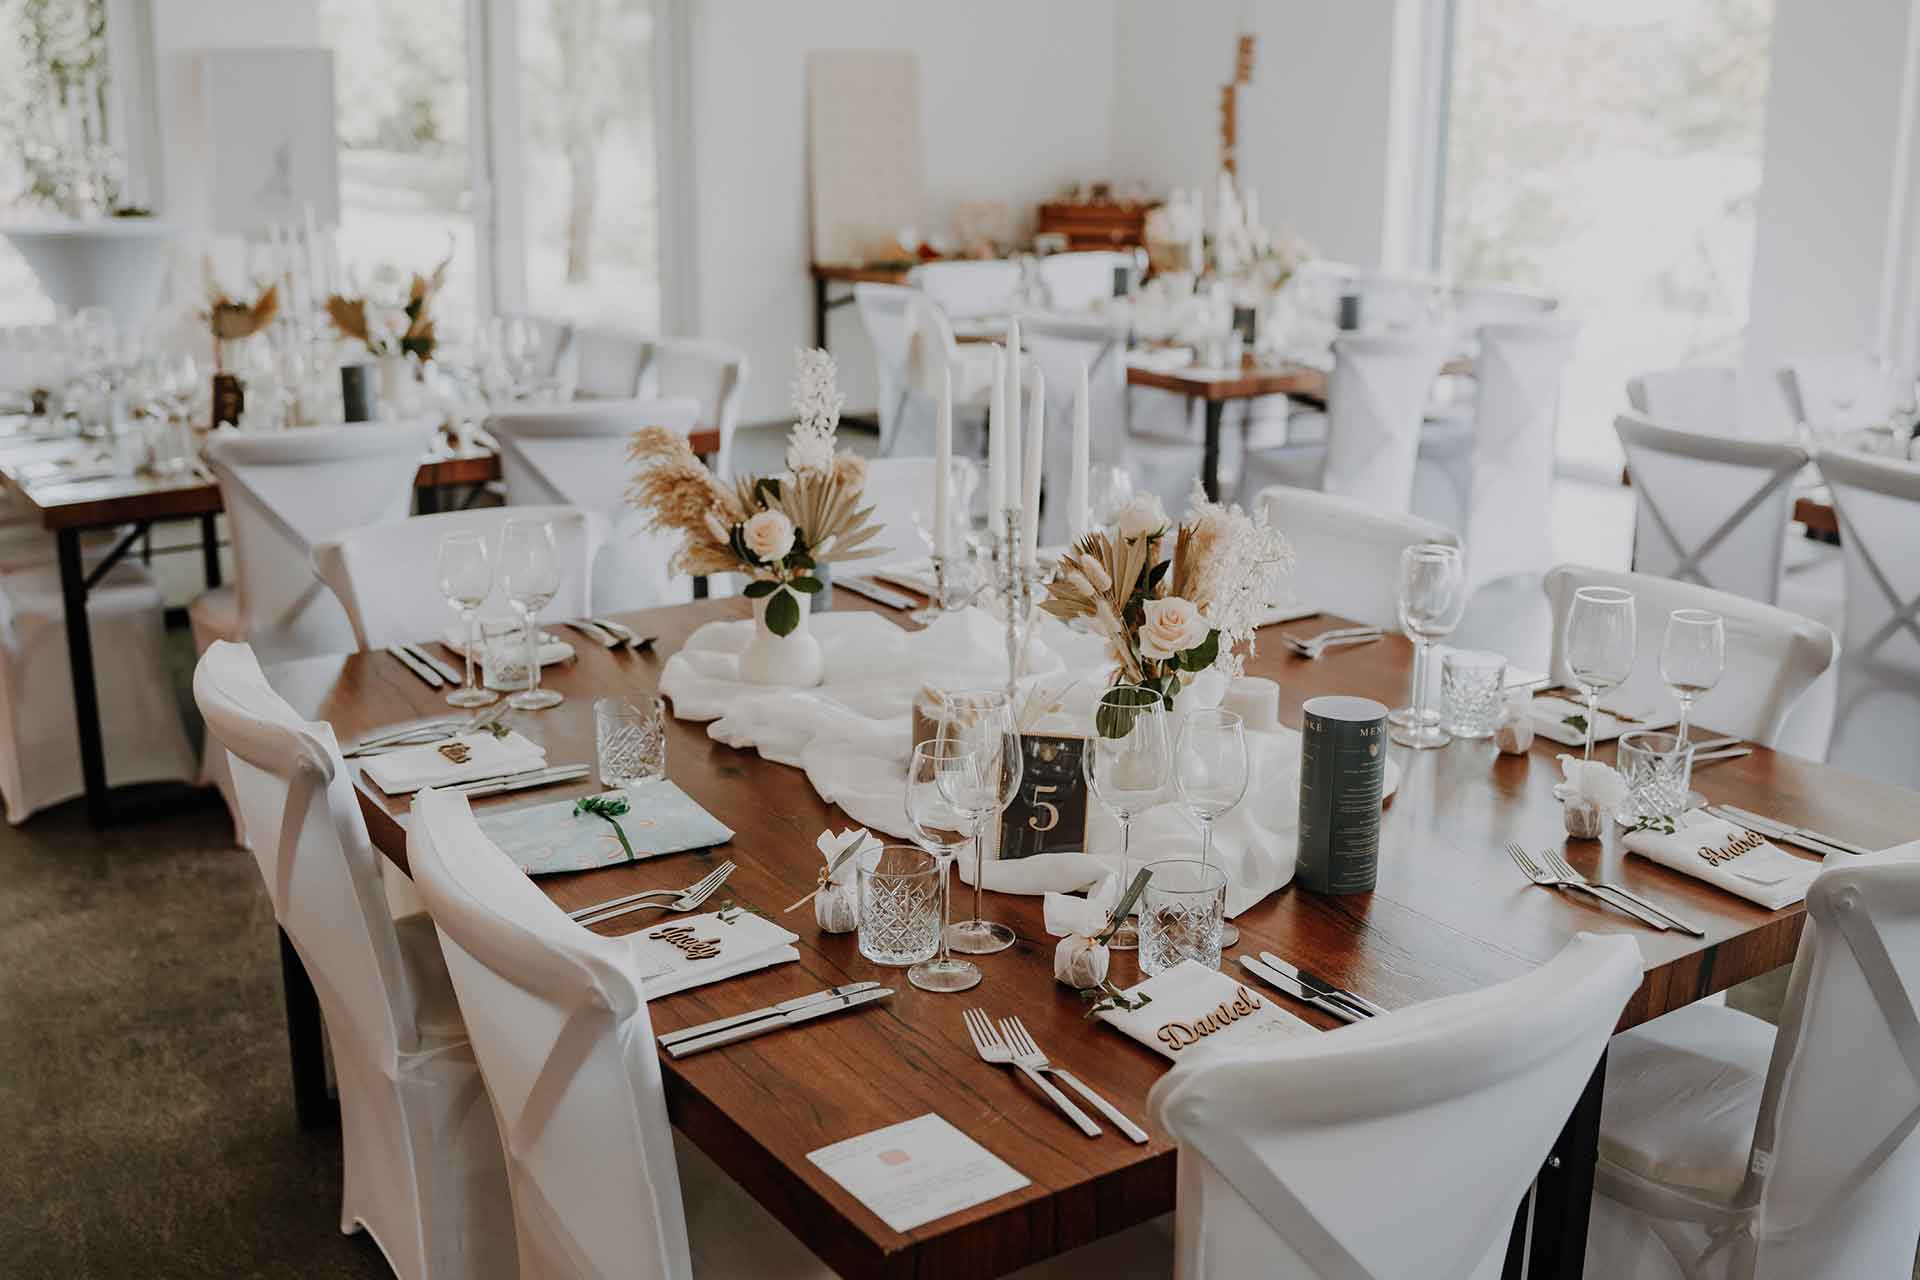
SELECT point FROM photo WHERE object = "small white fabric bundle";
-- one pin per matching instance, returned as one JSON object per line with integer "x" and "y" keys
{"x": 1592, "y": 793}
{"x": 1078, "y": 960}
{"x": 836, "y": 907}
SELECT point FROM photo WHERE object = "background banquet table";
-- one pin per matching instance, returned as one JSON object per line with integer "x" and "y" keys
{"x": 1450, "y": 914}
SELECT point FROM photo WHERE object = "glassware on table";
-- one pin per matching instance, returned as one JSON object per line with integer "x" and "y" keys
{"x": 1182, "y": 913}
{"x": 1210, "y": 769}
{"x": 630, "y": 738}
{"x": 1126, "y": 762}
{"x": 1432, "y": 596}
{"x": 1658, "y": 770}
{"x": 1599, "y": 645}
{"x": 899, "y": 889}
{"x": 1108, "y": 490}
{"x": 466, "y": 579}
{"x": 940, "y": 828}
{"x": 530, "y": 578}
{"x": 980, "y": 721}
{"x": 1692, "y": 657}
{"x": 1472, "y": 692}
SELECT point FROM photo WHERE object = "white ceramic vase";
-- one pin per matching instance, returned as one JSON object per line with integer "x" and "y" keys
{"x": 396, "y": 386}
{"x": 792, "y": 661}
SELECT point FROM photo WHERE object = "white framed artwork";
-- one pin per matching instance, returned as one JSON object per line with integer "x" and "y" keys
{"x": 272, "y": 150}
{"x": 864, "y": 151}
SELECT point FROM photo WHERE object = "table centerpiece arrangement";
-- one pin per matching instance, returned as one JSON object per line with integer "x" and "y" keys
{"x": 393, "y": 319}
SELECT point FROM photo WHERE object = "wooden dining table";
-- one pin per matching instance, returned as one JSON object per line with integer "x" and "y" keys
{"x": 1450, "y": 914}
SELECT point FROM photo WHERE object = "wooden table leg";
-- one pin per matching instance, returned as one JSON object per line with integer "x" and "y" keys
{"x": 1210, "y": 458}
{"x": 1554, "y": 1245}
{"x": 86, "y": 697}
{"x": 306, "y": 1043}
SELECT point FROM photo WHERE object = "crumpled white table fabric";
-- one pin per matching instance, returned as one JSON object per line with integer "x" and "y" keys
{"x": 852, "y": 735}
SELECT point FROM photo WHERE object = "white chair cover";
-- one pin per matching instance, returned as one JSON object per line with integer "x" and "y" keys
{"x": 1077, "y": 281}
{"x": 1731, "y": 1152}
{"x": 559, "y": 1022}
{"x": 883, "y": 314}
{"x": 1710, "y": 509}
{"x": 607, "y": 363}
{"x": 1286, "y": 1152}
{"x": 1696, "y": 397}
{"x": 1772, "y": 655}
{"x": 576, "y": 455}
{"x": 1509, "y": 527}
{"x": 1376, "y": 401}
{"x": 964, "y": 289}
{"x": 900, "y": 491}
{"x": 424, "y": 1173}
{"x": 713, "y": 373}
{"x": 385, "y": 578}
{"x": 1838, "y": 393}
{"x": 1877, "y": 717}
{"x": 931, "y": 350}
{"x": 1348, "y": 552}
{"x": 1475, "y": 305}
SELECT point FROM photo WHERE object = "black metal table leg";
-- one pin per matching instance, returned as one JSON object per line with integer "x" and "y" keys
{"x": 427, "y": 498}
{"x": 1210, "y": 458}
{"x": 86, "y": 697}
{"x": 820, "y": 312}
{"x": 306, "y": 1042}
{"x": 1556, "y": 1237}
{"x": 210, "y": 548}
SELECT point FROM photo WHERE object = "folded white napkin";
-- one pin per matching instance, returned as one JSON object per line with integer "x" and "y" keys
{"x": 694, "y": 950}
{"x": 1728, "y": 857}
{"x": 1550, "y": 712}
{"x": 552, "y": 648}
{"x": 398, "y": 772}
{"x": 1195, "y": 1009}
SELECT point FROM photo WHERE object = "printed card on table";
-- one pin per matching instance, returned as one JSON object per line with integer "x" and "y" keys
{"x": 916, "y": 1171}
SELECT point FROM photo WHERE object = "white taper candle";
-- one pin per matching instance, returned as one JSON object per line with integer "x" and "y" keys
{"x": 943, "y": 463}
{"x": 1030, "y": 472}
{"x": 1082, "y": 450}
{"x": 1015, "y": 384}
{"x": 997, "y": 442}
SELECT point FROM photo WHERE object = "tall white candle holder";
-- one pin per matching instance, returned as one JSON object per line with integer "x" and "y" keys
{"x": 1015, "y": 581}
{"x": 946, "y": 598}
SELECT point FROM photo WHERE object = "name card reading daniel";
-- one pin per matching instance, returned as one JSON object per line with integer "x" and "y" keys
{"x": 916, "y": 1171}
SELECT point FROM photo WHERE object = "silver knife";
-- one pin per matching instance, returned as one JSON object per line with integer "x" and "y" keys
{"x": 1359, "y": 1004}
{"x": 596, "y": 633}
{"x": 522, "y": 781}
{"x": 1280, "y": 982}
{"x": 443, "y": 669}
{"x": 877, "y": 593}
{"x": 416, "y": 666}
{"x": 1787, "y": 831}
{"x": 769, "y": 1011}
{"x": 1715, "y": 757}
{"x": 793, "y": 1017}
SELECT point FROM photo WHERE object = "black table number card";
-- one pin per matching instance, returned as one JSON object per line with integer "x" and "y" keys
{"x": 1343, "y": 769}
{"x": 1049, "y": 813}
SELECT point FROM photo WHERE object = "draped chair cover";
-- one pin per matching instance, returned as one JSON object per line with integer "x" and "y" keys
{"x": 1396, "y": 1148}
{"x": 607, "y": 363}
{"x": 714, "y": 373}
{"x": 1697, "y": 397}
{"x": 1877, "y": 715}
{"x": 1839, "y": 392}
{"x": 576, "y": 455}
{"x": 1772, "y": 655}
{"x": 965, "y": 289}
{"x": 1347, "y": 552}
{"x": 1509, "y": 525}
{"x": 424, "y": 1173}
{"x": 883, "y": 314}
{"x": 1077, "y": 281}
{"x": 931, "y": 353}
{"x": 900, "y": 491}
{"x": 1730, "y": 1151}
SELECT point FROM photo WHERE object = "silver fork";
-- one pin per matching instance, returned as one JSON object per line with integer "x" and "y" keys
{"x": 1026, "y": 1053}
{"x": 1558, "y": 865}
{"x": 991, "y": 1048}
{"x": 644, "y": 894}
{"x": 1313, "y": 648}
{"x": 692, "y": 896}
{"x": 1540, "y": 876}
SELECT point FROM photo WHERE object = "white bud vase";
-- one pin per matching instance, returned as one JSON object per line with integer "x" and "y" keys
{"x": 792, "y": 661}
{"x": 396, "y": 386}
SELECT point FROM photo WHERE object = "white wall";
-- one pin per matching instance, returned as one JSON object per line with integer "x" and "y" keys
{"x": 1016, "y": 99}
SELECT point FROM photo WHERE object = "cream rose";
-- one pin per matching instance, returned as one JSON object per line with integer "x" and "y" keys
{"x": 1142, "y": 515}
{"x": 1172, "y": 626}
{"x": 769, "y": 535}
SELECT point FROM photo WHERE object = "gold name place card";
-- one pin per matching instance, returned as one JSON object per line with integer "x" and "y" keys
{"x": 1178, "y": 1035}
{"x": 694, "y": 948}
{"x": 1714, "y": 855}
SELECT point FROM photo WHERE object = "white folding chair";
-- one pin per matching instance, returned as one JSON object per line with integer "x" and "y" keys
{"x": 559, "y": 1022}
{"x": 1732, "y": 1151}
{"x": 1838, "y": 393}
{"x": 385, "y": 579}
{"x": 1697, "y": 397}
{"x": 607, "y": 363}
{"x": 1772, "y": 655}
{"x": 931, "y": 352}
{"x": 1509, "y": 524}
{"x": 883, "y": 314}
{"x": 1347, "y": 551}
{"x": 965, "y": 289}
{"x": 1475, "y": 305}
{"x": 1286, "y": 1151}
{"x": 424, "y": 1174}
{"x": 576, "y": 455}
{"x": 1376, "y": 405}
{"x": 1710, "y": 509}
{"x": 713, "y": 373}
{"x": 1077, "y": 281}
{"x": 1877, "y": 716}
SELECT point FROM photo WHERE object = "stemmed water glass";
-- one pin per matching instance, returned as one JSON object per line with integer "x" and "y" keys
{"x": 466, "y": 578}
{"x": 530, "y": 578}
{"x": 1432, "y": 596}
{"x": 1210, "y": 769}
{"x": 1126, "y": 763}
{"x": 938, "y": 826}
{"x": 1599, "y": 645}
{"x": 981, "y": 722}
{"x": 1692, "y": 658}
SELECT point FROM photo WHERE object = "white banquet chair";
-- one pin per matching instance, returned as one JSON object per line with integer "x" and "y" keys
{"x": 1877, "y": 712}
{"x": 1475, "y": 305}
{"x": 932, "y": 351}
{"x": 1509, "y": 507}
{"x": 714, "y": 373}
{"x": 384, "y": 575}
{"x": 900, "y": 491}
{"x": 576, "y": 455}
{"x": 1732, "y": 1151}
{"x": 1710, "y": 509}
{"x": 607, "y": 363}
{"x": 424, "y": 1174}
{"x": 1839, "y": 392}
{"x": 1285, "y": 1151}
{"x": 968, "y": 289}
{"x": 559, "y": 1022}
{"x": 883, "y": 314}
{"x": 1077, "y": 281}
{"x": 1699, "y": 397}
{"x": 1347, "y": 552}
{"x": 1772, "y": 655}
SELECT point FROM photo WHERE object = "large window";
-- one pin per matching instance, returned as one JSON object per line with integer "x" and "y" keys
{"x": 1608, "y": 151}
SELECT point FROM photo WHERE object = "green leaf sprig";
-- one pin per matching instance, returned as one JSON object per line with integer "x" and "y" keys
{"x": 1661, "y": 822}
{"x": 1107, "y": 996}
{"x": 609, "y": 809}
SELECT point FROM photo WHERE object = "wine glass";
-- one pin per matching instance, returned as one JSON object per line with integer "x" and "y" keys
{"x": 466, "y": 579}
{"x": 1108, "y": 490}
{"x": 981, "y": 722}
{"x": 1692, "y": 658}
{"x": 1210, "y": 769}
{"x": 1126, "y": 762}
{"x": 940, "y": 828}
{"x": 1432, "y": 596}
{"x": 530, "y": 578}
{"x": 1599, "y": 645}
